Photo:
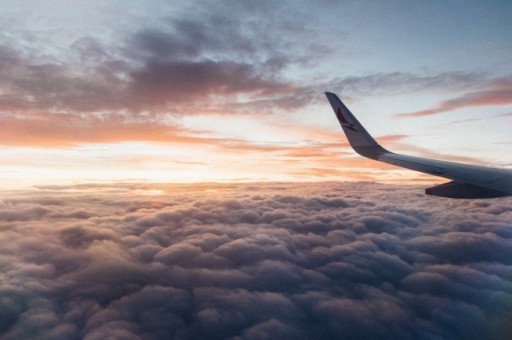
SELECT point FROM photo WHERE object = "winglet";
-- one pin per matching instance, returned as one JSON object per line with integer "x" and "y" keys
{"x": 357, "y": 136}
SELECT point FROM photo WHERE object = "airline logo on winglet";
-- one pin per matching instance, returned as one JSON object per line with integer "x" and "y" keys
{"x": 343, "y": 122}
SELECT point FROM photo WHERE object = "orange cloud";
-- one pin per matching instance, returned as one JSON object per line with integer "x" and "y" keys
{"x": 61, "y": 130}
{"x": 498, "y": 93}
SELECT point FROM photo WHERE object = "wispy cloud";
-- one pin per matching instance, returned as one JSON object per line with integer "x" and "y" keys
{"x": 183, "y": 67}
{"x": 504, "y": 115}
{"x": 405, "y": 82}
{"x": 127, "y": 92}
{"x": 495, "y": 93}
{"x": 62, "y": 130}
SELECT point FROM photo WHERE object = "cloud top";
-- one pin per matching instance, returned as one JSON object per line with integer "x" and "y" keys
{"x": 250, "y": 261}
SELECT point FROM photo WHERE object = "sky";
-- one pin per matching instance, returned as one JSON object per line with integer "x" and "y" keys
{"x": 328, "y": 260}
{"x": 209, "y": 91}
{"x": 173, "y": 170}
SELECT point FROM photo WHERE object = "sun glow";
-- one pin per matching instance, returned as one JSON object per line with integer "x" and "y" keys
{"x": 93, "y": 93}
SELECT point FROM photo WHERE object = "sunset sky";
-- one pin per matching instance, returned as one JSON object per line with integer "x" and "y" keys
{"x": 173, "y": 170}
{"x": 198, "y": 91}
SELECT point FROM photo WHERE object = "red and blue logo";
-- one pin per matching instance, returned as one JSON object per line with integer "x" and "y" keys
{"x": 344, "y": 122}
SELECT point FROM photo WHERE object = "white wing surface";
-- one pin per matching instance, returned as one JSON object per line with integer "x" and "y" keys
{"x": 468, "y": 181}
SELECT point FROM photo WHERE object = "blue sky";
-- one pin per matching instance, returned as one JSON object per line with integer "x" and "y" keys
{"x": 115, "y": 91}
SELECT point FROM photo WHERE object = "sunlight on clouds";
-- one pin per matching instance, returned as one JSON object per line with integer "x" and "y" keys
{"x": 301, "y": 260}
{"x": 206, "y": 163}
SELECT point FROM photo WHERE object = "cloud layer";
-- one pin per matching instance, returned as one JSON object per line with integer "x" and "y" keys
{"x": 250, "y": 261}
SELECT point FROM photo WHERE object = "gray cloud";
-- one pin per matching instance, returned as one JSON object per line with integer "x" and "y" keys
{"x": 405, "y": 82}
{"x": 249, "y": 261}
{"x": 202, "y": 59}
{"x": 150, "y": 69}
{"x": 180, "y": 64}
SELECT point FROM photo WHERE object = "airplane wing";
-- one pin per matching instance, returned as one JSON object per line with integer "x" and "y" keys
{"x": 468, "y": 181}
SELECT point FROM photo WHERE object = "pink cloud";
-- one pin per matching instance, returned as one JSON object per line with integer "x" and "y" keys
{"x": 497, "y": 93}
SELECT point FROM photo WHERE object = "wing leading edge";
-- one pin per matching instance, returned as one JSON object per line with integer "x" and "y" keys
{"x": 468, "y": 181}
